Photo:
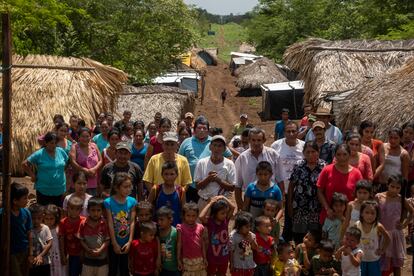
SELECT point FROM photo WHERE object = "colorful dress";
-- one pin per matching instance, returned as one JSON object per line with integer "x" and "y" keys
{"x": 88, "y": 161}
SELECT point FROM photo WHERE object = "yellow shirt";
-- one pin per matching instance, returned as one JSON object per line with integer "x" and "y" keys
{"x": 153, "y": 171}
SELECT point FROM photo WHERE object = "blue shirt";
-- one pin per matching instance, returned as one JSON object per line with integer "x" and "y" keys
{"x": 138, "y": 156}
{"x": 121, "y": 216}
{"x": 100, "y": 141}
{"x": 258, "y": 197}
{"x": 194, "y": 149}
{"x": 19, "y": 228}
{"x": 280, "y": 129}
{"x": 172, "y": 201}
{"x": 50, "y": 172}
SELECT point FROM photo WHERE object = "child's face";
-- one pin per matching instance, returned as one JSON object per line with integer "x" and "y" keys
{"x": 286, "y": 252}
{"x": 74, "y": 211}
{"x": 49, "y": 220}
{"x": 144, "y": 215}
{"x": 325, "y": 256}
{"x": 147, "y": 236}
{"x": 95, "y": 212}
{"x": 263, "y": 176}
{"x": 350, "y": 241}
{"x": 164, "y": 222}
{"x": 265, "y": 227}
{"x": 221, "y": 214}
{"x": 369, "y": 214}
{"x": 37, "y": 219}
{"x": 270, "y": 210}
{"x": 339, "y": 208}
{"x": 169, "y": 176}
{"x": 80, "y": 186}
{"x": 21, "y": 202}
{"x": 394, "y": 188}
{"x": 309, "y": 240}
{"x": 244, "y": 230}
{"x": 125, "y": 188}
{"x": 362, "y": 195}
{"x": 190, "y": 217}
{"x": 73, "y": 122}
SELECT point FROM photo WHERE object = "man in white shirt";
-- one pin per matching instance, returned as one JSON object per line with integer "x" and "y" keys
{"x": 331, "y": 132}
{"x": 214, "y": 175}
{"x": 247, "y": 162}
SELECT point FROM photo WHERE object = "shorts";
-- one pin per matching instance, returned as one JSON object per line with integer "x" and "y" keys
{"x": 217, "y": 268}
{"x": 19, "y": 263}
{"x": 194, "y": 267}
{"x": 242, "y": 272}
{"x": 370, "y": 268}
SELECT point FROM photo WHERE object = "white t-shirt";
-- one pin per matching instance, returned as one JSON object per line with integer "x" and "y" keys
{"x": 225, "y": 171}
{"x": 39, "y": 240}
{"x": 84, "y": 211}
{"x": 348, "y": 269}
{"x": 287, "y": 158}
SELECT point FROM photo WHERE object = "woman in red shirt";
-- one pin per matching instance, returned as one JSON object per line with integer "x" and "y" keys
{"x": 358, "y": 159}
{"x": 339, "y": 177}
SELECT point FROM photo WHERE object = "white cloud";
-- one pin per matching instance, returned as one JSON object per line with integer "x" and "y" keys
{"x": 224, "y": 7}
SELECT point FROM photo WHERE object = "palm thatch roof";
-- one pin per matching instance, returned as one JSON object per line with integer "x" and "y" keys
{"x": 145, "y": 101}
{"x": 262, "y": 71}
{"x": 386, "y": 100}
{"x": 331, "y": 66}
{"x": 49, "y": 87}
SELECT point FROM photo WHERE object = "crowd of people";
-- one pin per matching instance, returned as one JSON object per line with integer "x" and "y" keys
{"x": 125, "y": 198}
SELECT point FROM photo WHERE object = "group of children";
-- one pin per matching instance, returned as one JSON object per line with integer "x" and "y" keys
{"x": 120, "y": 236}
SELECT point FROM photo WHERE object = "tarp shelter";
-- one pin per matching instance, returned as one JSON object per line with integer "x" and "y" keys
{"x": 183, "y": 80}
{"x": 276, "y": 96}
{"x": 207, "y": 57}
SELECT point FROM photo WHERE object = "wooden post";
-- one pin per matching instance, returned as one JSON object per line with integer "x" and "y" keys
{"x": 7, "y": 89}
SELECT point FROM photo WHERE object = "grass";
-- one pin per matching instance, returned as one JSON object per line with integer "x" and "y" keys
{"x": 227, "y": 39}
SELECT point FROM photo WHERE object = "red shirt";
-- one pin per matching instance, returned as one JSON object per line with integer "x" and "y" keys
{"x": 264, "y": 252}
{"x": 304, "y": 121}
{"x": 94, "y": 236}
{"x": 144, "y": 257}
{"x": 69, "y": 229}
{"x": 157, "y": 146}
{"x": 331, "y": 180}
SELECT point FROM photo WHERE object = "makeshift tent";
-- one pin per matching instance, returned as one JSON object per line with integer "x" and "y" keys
{"x": 47, "y": 85}
{"x": 183, "y": 80}
{"x": 276, "y": 96}
{"x": 336, "y": 66}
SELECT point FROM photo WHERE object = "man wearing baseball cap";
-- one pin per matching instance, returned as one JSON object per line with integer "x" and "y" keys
{"x": 331, "y": 132}
{"x": 326, "y": 147}
{"x": 240, "y": 127}
{"x": 188, "y": 119}
{"x": 122, "y": 163}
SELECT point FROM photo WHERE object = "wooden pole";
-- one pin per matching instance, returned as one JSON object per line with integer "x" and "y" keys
{"x": 7, "y": 89}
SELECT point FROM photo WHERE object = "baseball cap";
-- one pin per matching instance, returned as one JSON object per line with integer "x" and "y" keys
{"x": 123, "y": 145}
{"x": 318, "y": 124}
{"x": 243, "y": 115}
{"x": 170, "y": 136}
{"x": 218, "y": 137}
{"x": 189, "y": 114}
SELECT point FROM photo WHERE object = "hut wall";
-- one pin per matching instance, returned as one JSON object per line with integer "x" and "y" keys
{"x": 189, "y": 84}
{"x": 275, "y": 101}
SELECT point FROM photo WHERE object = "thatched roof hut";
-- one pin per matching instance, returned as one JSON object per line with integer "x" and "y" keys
{"x": 386, "y": 100}
{"x": 262, "y": 71}
{"x": 332, "y": 66}
{"x": 46, "y": 85}
{"x": 145, "y": 101}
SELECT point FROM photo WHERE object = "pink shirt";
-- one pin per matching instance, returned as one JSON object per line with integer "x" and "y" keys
{"x": 364, "y": 166}
{"x": 88, "y": 161}
{"x": 331, "y": 180}
{"x": 192, "y": 240}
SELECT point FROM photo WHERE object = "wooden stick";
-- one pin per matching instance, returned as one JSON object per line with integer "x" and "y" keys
{"x": 37, "y": 66}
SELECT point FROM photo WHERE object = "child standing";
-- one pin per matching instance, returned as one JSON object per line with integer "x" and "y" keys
{"x": 68, "y": 242}
{"x": 216, "y": 216}
{"x": 285, "y": 262}
{"x": 265, "y": 246}
{"x": 192, "y": 243}
{"x": 332, "y": 227}
{"x": 168, "y": 194}
{"x": 325, "y": 263}
{"x": 41, "y": 242}
{"x": 144, "y": 214}
{"x": 372, "y": 232}
{"x": 80, "y": 181}
{"x": 262, "y": 189}
{"x": 242, "y": 244}
{"x": 274, "y": 213}
{"x": 305, "y": 251}
{"x": 120, "y": 212}
{"x": 143, "y": 256}
{"x": 94, "y": 237}
{"x": 20, "y": 227}
{"x": 168, "y": 242}
{"x": 393, "y": 210}
{"x": 349, "y": 253}
{"x": 363, "y": 191}
{"x": 52, "y": 219}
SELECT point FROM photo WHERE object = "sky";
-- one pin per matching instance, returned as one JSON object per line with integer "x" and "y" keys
{"x": 224, "y": 7}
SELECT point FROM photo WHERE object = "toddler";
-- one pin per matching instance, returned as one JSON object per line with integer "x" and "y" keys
{"x": 332, "y": 226}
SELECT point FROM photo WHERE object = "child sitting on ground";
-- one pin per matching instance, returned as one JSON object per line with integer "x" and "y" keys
{"x": 332, "y": 226}
{"x": 325, "y": 263}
